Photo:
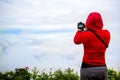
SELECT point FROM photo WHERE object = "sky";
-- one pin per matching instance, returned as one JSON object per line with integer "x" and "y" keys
{"x": 40, "y": 32}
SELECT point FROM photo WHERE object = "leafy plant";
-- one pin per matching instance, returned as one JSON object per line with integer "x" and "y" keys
{"x": 67, "y": 74}
{"x": 113, "y": 75}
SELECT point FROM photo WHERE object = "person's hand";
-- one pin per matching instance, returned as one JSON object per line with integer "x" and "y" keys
{"x": 78, "y": 30}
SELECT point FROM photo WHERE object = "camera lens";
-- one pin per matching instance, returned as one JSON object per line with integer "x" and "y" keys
{"x": 80, "y": 26}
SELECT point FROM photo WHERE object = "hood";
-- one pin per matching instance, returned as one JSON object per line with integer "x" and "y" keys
{"x": 94, "y": 21}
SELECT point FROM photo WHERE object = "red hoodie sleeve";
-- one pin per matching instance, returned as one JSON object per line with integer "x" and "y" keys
{"x": 77, "y": 39}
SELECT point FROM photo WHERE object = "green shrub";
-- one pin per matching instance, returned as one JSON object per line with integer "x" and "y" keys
{"x": 68, "y": 74}
{"x": 113, "y": 75}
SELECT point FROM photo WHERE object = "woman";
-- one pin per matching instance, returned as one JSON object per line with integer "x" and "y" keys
{"x": 93, "y": 63}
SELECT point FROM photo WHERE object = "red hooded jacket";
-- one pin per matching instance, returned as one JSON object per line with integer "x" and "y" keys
{"x": 94, "y": 49}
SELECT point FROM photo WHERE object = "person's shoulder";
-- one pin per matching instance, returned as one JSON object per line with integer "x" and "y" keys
{"x": 106, "y": 31}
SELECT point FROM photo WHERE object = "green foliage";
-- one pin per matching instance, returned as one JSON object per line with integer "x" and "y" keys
{"x": 19, "y": 74}
{"x": 35, "y": 75}
{"x": 113, "y": 75}
{"x": 68, "y": 74}
{"x": 7, "y": 76}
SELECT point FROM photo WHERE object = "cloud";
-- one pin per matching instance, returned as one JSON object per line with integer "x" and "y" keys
{"x": 55, "y": 50}
{"x": 40, "y": 50}
{"x": 42, "y": 12}
{"x": 49, "y": 51}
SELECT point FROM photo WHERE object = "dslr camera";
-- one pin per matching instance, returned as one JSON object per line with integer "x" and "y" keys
{"x": 81, "y": 26}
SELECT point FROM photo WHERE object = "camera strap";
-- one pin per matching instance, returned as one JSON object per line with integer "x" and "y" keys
{"x": 99, "y": 38}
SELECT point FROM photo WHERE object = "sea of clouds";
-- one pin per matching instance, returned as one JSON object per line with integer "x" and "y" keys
{"x": 49, "y": 50}
{"x": 44, "y": 50}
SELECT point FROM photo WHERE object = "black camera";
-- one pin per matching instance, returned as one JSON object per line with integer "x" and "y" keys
{"x": 81, "y": 26}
